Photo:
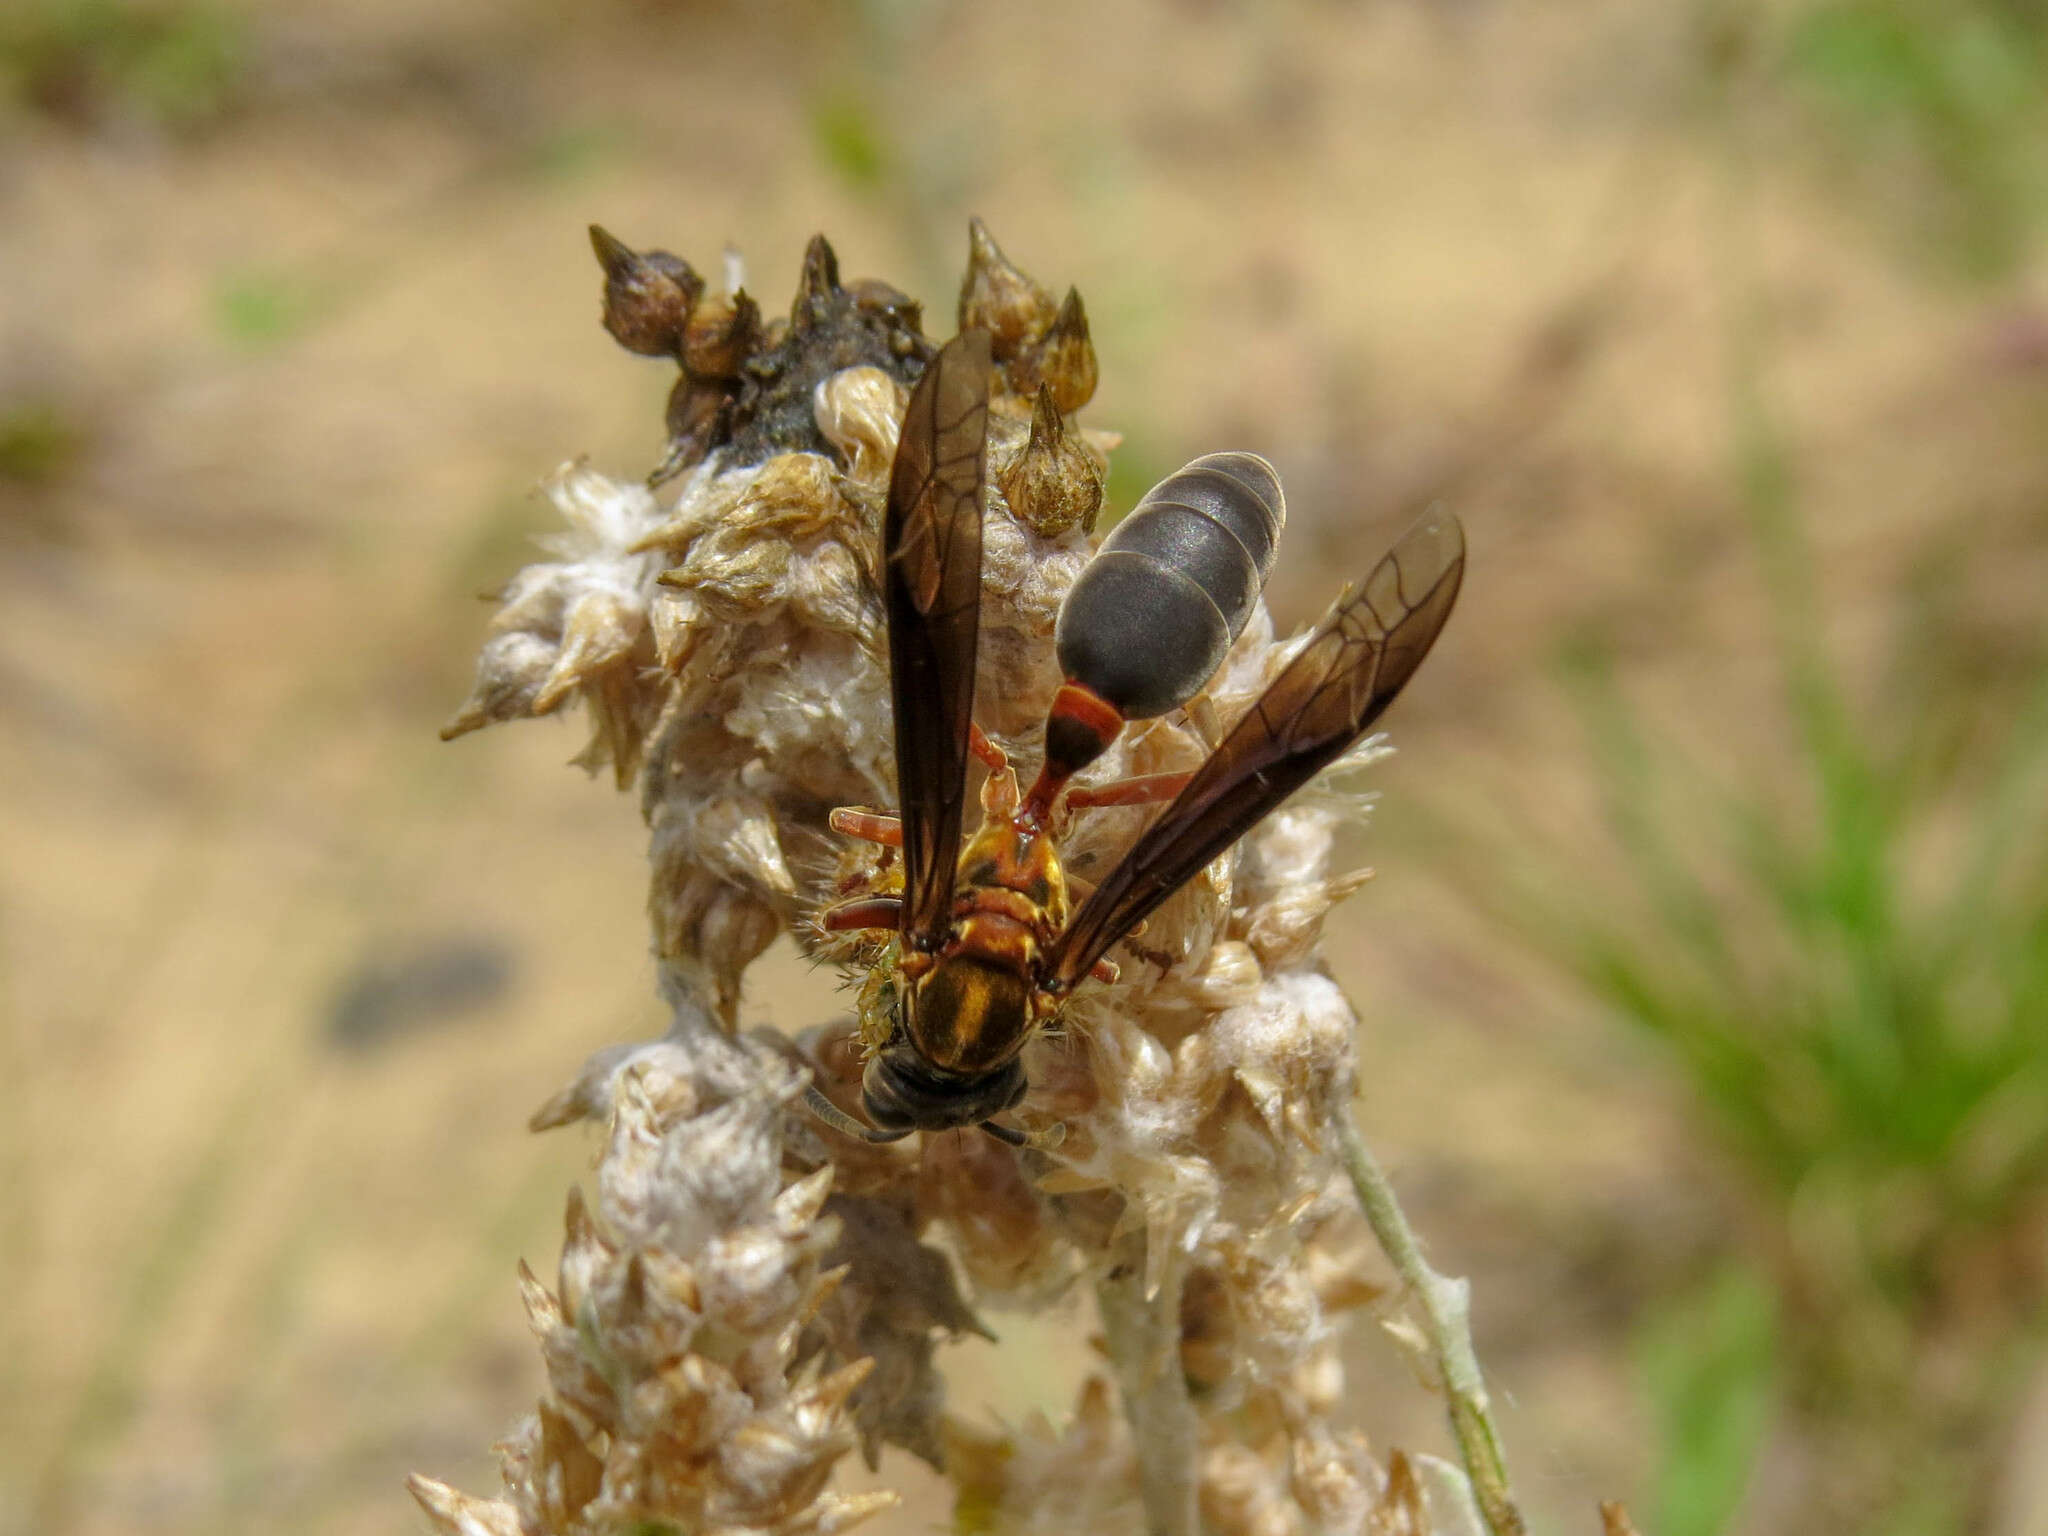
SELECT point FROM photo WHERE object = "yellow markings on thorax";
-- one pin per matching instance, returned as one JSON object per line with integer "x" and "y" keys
{"x": 969, "y": 1014}
{"x": 1000, "y": 856}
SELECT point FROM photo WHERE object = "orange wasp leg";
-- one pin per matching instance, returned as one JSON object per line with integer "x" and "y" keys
{"x": 993, "y": 757}
{"x": 868, "y": 826}
{"x": 1143, "y": 790}
{"x": 867, "y": 912}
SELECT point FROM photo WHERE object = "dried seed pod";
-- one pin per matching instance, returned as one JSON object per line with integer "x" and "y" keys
{"x": 648, "y": 296}
{"x": 698, "y": 414}
{"x": 1401, "y": 1511}
{"x": 676, "y": 1396}
{"x": 1053, "y": 485}
{"x": 830, "y": 328}
{"x": 575, "y": 623}
{"x": 724, "y": 330}
{"x": 897, "y": 1299}
{"x": 857, "y": 410}
{"x": 977, "y": 1186}
{"x": 1062, "y": 357}
{"x": 816, "y": 287}
{"x": 998, "y": 298}
{"x": 511, "y": 670}
{"x": 1242, "y": 1495}
{"x": 895, "y": 309}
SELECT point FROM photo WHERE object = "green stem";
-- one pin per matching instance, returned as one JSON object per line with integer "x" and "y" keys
{"x": 1446, "y": 1304}
{"x": 1143, "y": 1333}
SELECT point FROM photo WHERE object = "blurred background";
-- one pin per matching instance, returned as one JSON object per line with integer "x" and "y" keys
{"x": 1705, "y": 982}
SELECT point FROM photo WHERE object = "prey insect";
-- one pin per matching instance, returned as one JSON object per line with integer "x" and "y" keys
{"x": 989, "y": 946}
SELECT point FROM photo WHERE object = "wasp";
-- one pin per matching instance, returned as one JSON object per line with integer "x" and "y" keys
{"x": 989, "y": 944}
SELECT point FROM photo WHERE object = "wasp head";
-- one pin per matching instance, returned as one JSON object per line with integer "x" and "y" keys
{"x": 902, "y": 1091}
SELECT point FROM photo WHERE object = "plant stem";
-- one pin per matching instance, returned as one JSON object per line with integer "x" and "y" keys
{"x": 1143, "y": 1332}
{"x": 1446, "y": 1311}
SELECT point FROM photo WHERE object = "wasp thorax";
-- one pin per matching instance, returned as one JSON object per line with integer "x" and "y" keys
{"x": 968, "y": 1015}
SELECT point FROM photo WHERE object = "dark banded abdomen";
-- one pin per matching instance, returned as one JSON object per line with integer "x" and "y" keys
{"x": 1151, "y": 617}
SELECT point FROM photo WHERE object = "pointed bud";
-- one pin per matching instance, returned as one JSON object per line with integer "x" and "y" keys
{"x": 584, "y": 1253}
{"x": 997, "y": 298}
{"x": 829, "y": 1394}
{"x": 816, "y": 288}
{"x": 599, "y": 628}
{"x": 886, "y": 303}
{"x": 1401, "y": 1511}
{"x": 543, "y": 1314}
{"x": 798, "y": 1206}
{"x": 573, "y": 1473}
{"x": 1063, "y": 357}
{"x": 827, "y": 1285}
{"x": 460, "y": 1515}
{"x": 1053, "y": 485}
{"x": 699, "y": 418}
{"x": 627, "y": 1308}
{"x": 723, "y": 332}
{"x": 842, "y": 1511}
{"x": 510, "y": 671}
{"x": 647, "y": 297}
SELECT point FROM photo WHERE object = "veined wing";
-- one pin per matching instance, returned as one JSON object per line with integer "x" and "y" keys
{"x": 931, "y": 542}
{"x": 1357, "y": 659}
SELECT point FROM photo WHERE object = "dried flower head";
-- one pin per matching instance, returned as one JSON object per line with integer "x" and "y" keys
{"x": 680, "y": 1391}
{"x": 756, "y": 1293}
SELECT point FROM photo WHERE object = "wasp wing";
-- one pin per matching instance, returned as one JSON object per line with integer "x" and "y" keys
{"x": 1356, "y": 660}
{"x": 931, "y": 543}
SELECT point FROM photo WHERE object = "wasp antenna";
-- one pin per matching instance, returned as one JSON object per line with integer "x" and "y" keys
{"x": 840, "y": 1121}
{"x": 1029, "y": 1141}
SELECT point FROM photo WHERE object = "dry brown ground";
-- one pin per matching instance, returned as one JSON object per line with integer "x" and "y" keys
{"x": 254, "y": 1275}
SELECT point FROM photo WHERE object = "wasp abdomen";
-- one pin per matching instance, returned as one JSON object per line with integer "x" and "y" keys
{"x": 1154, "y": 612}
